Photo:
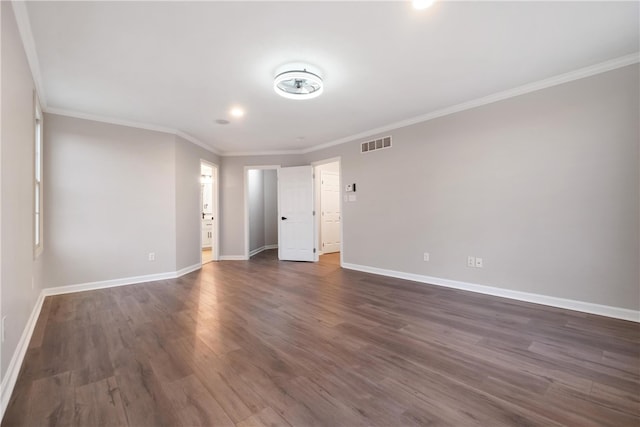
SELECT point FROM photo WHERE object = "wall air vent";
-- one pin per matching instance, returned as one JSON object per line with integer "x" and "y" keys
{"x": 376, "y": 144}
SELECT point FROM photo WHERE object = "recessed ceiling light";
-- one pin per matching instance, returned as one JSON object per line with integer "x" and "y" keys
{"x": 422, "y": 4}
{"x": 222, "y": 122}
{"x": 237, "y": 112}
{"x": 298, "y": 84}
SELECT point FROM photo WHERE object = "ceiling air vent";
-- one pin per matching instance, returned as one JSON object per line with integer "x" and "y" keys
{"x": 376, "y": 144}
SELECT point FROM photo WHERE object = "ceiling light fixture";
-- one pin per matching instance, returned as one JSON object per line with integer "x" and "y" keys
{"x": 298, "y": 84}
{"x": 422, "y": 4}
{"x": 237, "y": 112}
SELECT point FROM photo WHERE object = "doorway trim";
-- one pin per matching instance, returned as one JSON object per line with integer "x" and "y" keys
{"x": 246, "y": 202}
{"x": 317, "y": 222}
{"x": 215, "y": 253}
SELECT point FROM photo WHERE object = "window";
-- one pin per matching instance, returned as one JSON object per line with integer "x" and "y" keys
{"x": 37, "y": 179}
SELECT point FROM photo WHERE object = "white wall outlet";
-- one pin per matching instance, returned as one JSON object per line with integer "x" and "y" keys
{"x": 152, "y": 256}
{"x": 426, "y": 256}
{"x": 2, "y": 329}
{"x": 471, "y": 261}
{"x": 478, "y": 262}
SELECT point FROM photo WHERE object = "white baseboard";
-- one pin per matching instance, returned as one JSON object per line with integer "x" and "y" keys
{"x": 264, "y": 248}
{"x": 187, "y": 270}
{"x": 586, "y": 307}
{"x": 9, "y": 380}
{"x": 233, "y": 258}
{"x": 11, "y": 376}
{"x": 119, "y": 282}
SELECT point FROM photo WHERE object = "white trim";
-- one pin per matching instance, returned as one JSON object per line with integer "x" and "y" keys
{"x": 195, "y": 141}
{"x": 260, "y": 153}
{"x": 131, "y": 124}
{"x": 11, "y": 376}
{"x": 187, "y": 270}
{"x": 589, "y": 71}
{"x": 110, "y": 120}
{"x": 499, "y": 96}
{"x": 26, "y": 34}
{"x": 233, "y": 258}
{"x": 24, "y": 28}
{"x": 581, "y": 73}
{"x": 102, "y": 284}
{"x": 262, "y": 249}
{"x": 568, "y": 304}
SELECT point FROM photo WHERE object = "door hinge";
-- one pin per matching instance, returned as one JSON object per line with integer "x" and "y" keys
{"x": 314, "y": 250}
{"x": 314, "y": 213}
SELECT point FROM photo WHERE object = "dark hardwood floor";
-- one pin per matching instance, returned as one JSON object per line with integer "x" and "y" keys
{"x": 266, "y": 343}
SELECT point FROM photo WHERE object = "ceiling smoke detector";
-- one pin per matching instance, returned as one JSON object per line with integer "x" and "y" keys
{"x": 298, "y": 84}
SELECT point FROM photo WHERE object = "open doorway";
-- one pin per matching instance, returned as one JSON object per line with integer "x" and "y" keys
{"x": 208, "y": 212}
{"x": 261, "y": 209}
{"x": 328, "y": 206}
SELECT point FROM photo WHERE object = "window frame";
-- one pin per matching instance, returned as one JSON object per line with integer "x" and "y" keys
{"x": 38, "y": 157}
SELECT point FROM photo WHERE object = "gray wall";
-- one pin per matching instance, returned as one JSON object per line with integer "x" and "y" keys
{"x": 18, "y": 270}
{"x": 270, "y": 181}
{"x": 114, "y": 194}
{"x": 111, "y": 199}
{"x": 188, "y": 210}
{"x": 544, "y": 187}
{"x": 232, "y": 237}
{"x": 255, "y": 199}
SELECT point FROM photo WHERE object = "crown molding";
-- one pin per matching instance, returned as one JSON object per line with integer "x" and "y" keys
{"x": 260, "y": 153}
{"x": 29, "y": 45}
{"x": 131, "y": 124}
{"x": 581, "y": 73}
{"x": 197, "y": 142}
{"x": 24, "y": 27}
{"x": 110, "y": 120}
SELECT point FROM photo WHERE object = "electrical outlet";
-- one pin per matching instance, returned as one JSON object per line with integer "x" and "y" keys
{"x": 478, "y": 262}
{"x": 426, "y": 256}
{"x": 152, "y": 256}
{"x": 471, "y": 261}
{"x": 2, "y": 329}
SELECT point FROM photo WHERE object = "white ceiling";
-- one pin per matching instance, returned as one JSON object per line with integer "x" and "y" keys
{"x": 182, "y": 65}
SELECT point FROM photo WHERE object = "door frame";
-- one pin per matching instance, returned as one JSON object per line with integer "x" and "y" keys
{"x": 317, "y": 222}
{"x": 215, "y": 253}
{"x": 246, "y": 202}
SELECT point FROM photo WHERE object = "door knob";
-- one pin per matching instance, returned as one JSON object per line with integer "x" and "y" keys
{"x": 284, "y": 217}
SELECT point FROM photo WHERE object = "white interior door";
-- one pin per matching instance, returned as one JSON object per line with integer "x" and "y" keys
{"x": 295, "y": 214}
{"x": 330, "y": 211}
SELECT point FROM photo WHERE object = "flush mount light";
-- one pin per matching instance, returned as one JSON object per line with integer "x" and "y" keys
{"x": 422, "y": 4}
{"x": 298, "y": 84}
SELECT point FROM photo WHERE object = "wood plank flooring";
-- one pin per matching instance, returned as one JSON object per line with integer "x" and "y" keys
{"x": 269, "y": 343}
